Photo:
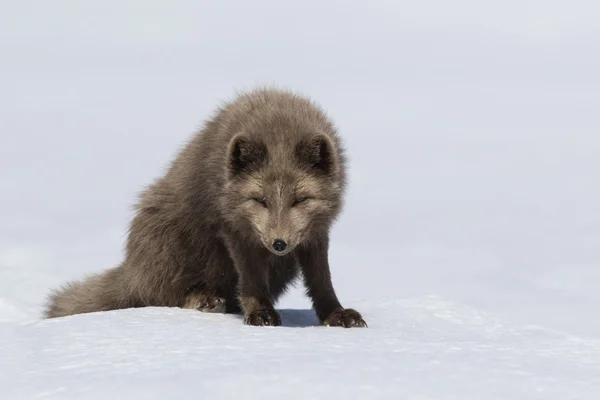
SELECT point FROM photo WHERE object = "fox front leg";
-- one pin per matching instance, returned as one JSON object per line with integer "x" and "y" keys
{"x": 253, "y": 286}
{"x": 314, "y": 261}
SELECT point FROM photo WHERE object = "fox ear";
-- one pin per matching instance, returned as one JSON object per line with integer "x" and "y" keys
{"x": 318, "y": 153}
{"x": 245, "y": 154}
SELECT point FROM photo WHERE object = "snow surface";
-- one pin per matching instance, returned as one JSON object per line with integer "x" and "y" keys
{"x": 471, "y": 236}
{"x": 416, "y": 348}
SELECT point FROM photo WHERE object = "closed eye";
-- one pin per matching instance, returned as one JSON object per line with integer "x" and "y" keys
{"x": 299, "y": 200}
{"x": 260, "y": 200}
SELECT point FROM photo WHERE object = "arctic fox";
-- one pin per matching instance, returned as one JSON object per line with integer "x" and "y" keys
{"x": 245, "y": 207}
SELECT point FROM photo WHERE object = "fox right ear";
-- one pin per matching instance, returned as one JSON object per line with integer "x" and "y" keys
{"x": 245, "y": 154}
{"x": 318, "y": 153}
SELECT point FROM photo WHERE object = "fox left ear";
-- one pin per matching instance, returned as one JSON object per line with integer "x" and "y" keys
{"x": 245, "y": 154}
{"x": 319, "y": 153}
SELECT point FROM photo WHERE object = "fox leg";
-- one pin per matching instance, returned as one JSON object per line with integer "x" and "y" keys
{"x": 315, "y": 267}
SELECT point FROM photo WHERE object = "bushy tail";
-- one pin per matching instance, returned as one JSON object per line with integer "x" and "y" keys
{"x": 98, "y": 292}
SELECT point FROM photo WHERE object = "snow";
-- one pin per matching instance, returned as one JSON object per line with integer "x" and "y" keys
{"x": 424, "y": 348}
{"x": 470, "y": 238}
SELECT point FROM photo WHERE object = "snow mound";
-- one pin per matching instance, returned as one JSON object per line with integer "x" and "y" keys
{"x": 417, "y": 348}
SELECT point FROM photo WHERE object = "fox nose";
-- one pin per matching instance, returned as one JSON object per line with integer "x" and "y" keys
{"x": 279, "y": 245}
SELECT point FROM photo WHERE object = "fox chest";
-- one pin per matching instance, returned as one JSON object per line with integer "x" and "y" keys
{"x": 282, "y": 271}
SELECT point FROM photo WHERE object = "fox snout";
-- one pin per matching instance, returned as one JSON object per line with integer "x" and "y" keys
{"x": 280, "y": 241}
{"x": 279, "y": 245}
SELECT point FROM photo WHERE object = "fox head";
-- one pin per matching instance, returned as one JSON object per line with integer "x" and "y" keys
{"x": 283, "y": 190}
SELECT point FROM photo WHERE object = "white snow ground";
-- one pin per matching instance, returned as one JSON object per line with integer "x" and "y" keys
{"x": 471, "y": 236}
{"x": 417, "y": 348}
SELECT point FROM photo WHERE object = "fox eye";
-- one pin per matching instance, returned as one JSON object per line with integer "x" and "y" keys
{"x": 300, "y": 200}
{"x": 260, "y": 200}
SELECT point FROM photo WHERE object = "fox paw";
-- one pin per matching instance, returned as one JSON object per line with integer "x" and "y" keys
{"x": 264, "y": 317}
{"x": 205, "y": 303}
{"x": 346, "y": 317}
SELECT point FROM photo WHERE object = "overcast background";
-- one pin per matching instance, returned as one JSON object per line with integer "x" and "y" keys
{"x": 473, "y": 130}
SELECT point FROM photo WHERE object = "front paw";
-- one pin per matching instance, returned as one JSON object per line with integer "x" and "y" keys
{"x": 263, "y": 317}
{"x": 346, "y": 317}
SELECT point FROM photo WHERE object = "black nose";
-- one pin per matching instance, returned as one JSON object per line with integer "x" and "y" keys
{"x": 279, "y": 245}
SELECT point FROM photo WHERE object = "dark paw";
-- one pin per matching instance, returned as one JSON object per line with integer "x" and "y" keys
{"x": 265, "y": 317}
{"x": 346, "y": 317}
